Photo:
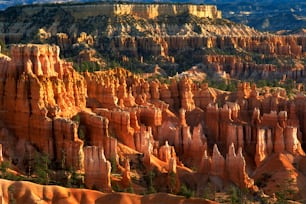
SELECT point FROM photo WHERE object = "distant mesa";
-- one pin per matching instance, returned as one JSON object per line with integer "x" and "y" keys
{"x": 150, "y": 11}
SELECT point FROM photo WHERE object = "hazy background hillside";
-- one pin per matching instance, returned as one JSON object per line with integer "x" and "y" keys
{"x": 264, "y": 15}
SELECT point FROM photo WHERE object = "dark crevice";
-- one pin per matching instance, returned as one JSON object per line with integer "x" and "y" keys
{"x": 54, "y": 140}
{"x": 28, "y": 86}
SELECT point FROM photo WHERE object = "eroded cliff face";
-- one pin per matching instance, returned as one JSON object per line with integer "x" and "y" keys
{"x": 114, "y": 125}
{"x": 43, "y": 109}
{"x": 247, "y": 130}
{"x": 150, "y": 11}
{"x": 134, "y": 34}
{"x": 40, "y": 93}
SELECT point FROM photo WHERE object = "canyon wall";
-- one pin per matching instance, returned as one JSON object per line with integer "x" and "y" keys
{"x": 140, "y": 10}
{"x": 38, "y": 90}
{"x": 87, "y": 120}
{"x": 171, "y": 33}
{"x": 115, "y": 126}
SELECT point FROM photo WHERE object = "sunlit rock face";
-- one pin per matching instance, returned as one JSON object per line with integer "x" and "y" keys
{"x": 169, "y": 32}
{"x": 114, "y": 118}
{"x": 97, "y": 169}
{"x": 147, "y": 11}
{"x": 41, "y": 93}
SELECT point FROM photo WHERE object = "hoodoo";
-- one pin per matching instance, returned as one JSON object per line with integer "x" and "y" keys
{"x": 184, "y": 119}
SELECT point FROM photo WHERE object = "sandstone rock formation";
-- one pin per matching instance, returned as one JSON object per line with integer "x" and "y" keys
{"x": 133, "y": 32}
{"x": 39, "y": 89}
{"x": 97, "y": 169}
{"x": 236, "y": 168}
{"x": 182, "y": 127}
{"x": 217, "y": 163}
{"x": 147, "y": 11}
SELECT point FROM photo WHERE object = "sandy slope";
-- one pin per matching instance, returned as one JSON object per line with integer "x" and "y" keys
{"x": 27, "y": 192}
{"x": 278, "y": 174}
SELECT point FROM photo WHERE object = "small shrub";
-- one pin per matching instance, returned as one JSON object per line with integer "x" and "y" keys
{"x": 113, "y": 164}
{"x": 235, "y": 195}
{"x": 3, "y": 168}
{"x": 209, "y": 192}
{"x": 185, "y": 191}
{"x": 129, "y": 189}
{"x": 95, "y": 188}
{"x": 149, "y": 179}
{"x": 151, "y": 189}
{"x": 238, "y": 195}
{"x": 41, "y": 168}
{"x": 76, "y": 179}
{"x": 172, "y": 182}
{"x": 116, "y": 187}
{"x": 11, "y": 191}
{"x": 76, "y": 119}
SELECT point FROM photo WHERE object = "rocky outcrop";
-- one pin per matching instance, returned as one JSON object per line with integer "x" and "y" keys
{"x": 37, "y": 90}
{"x": 96, "y": 128}
{"x": 217, "y": 163}
{"x": 132, "y": 32}
{"x": 270, "y": 47}
{"x": 114, "y": 115}
{"x": 292, "y": 144}
{"x": 101, "y": 93}
{"x": 203, "y": 96}
{"x": 43, "y": 104}
{"x": 198, "y": 143}
{"x": 232, "y": 167}
{"x": 166, "y": 152}
{"x": 119, "y": 125}
{"x": 144, "y": 141}
{"x": 97, "y": 169}
{"x": 261, "y": 147}
{"x": 268, "y": 134}
{"x": 69, "y": 148}
{"x": 1, "y": 154}
{"x": 236, "y": 168}
{"x": 186, "y": 94}
{"x": 143, "y": 10}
